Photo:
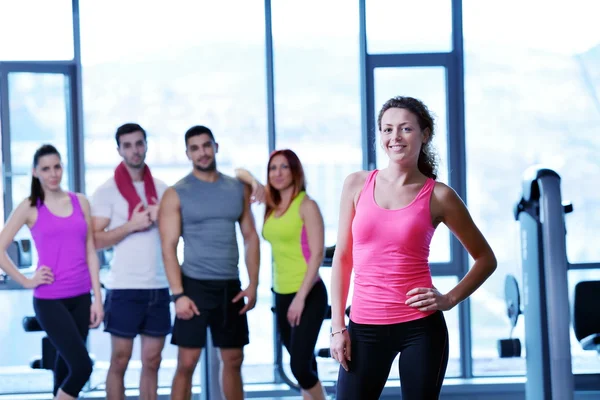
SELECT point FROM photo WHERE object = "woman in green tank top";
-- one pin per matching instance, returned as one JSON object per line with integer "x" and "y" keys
{"x": 294, "y": 226}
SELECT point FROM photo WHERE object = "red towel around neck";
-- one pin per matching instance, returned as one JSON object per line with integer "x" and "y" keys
{"x": 127, "y": 190}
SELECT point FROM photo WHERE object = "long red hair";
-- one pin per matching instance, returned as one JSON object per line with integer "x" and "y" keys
{"x": 273, "y": 197}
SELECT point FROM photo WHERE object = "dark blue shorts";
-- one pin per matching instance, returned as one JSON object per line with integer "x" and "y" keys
{"x": 131, "y": 312}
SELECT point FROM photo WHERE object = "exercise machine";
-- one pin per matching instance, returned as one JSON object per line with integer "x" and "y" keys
{"x": 544, "y": 266}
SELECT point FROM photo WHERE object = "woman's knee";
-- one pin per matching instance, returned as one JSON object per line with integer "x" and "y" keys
{"x": 85, "y": 369}
{"x": 302, "y": 369}
{"x": 79, "y": 375}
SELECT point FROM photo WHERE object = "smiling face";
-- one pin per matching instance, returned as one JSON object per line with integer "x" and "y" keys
{"x": 132, "y": 147}
{"x": 201, "y": 151}
{"x": 49, "y": 171}
{"x": 280, "y": 173}
{"x": 401, "y": 136}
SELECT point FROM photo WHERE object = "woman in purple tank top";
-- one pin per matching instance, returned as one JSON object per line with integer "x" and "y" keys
{"x": 68, "y": 268}
{"x": 387, "y": 220}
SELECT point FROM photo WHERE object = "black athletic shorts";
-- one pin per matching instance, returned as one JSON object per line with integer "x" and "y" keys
{"x": 213, "y": 298}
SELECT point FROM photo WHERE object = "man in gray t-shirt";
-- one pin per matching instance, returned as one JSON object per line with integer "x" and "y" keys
{"x": 124, "y": 213}
{"x": 204, "y": 208}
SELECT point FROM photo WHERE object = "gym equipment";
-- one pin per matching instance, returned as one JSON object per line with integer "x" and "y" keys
{"x": 19, "y": 251}
{"x": 586, "y": 315}
{"x": 511, "y": 347}
{"x": 540, "y": 214}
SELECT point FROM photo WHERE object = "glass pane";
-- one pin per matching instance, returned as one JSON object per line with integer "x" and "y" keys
{"x": 38, "y": 114}
{"x": 427, "y": 84}
{"x": 330, "y": 77}
{"x": 167, "y": 80}
{"x": 404, "y": 26}
{"x": 36, "y": 30}
{"x": 509, "y": 130}
{"x": 317, "y": 96}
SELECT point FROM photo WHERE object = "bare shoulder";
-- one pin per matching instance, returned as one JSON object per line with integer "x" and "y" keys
{"x": 25, "y": 208}
{"x": 445, "y": 194}
{"x": 308, "y": 205}
{"x": 84, "y": 203}
{"x": 353, "y": 185}
{"x": 170, "y": 196}
{"x": 356, "y": 180}
{"x": 82, "y": 198}
{"x": 445, "y": 201}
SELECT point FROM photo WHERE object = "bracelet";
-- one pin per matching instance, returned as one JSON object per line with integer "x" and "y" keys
{"x": 335, "y": 333}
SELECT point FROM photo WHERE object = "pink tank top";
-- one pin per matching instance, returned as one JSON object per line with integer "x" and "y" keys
{"x": 61, "y": 244}
{"x": 390, "y": 251}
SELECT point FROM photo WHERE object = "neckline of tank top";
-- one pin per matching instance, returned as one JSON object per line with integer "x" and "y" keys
{"x": 288, "y": 207}
{"x": 401, "y": 208}
{"x": 60, "y": 216}
{"x": 196, "y": 179}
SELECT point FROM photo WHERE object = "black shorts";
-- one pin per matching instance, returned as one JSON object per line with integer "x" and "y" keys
{"x": 213, "y": 298}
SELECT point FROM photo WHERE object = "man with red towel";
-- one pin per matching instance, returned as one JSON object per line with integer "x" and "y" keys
{"x": 124, "y": 211}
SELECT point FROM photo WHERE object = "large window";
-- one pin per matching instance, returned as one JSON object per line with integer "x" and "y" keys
{"x": 401, "y": 26}
{"x": 317, "y": 106}
{"x": 427, "y": 84}
{"x": 169, "y": 68}
{"x": 531, "y": 97}
{"x": 36, "y": 30}
{"x": 38, "y": 109}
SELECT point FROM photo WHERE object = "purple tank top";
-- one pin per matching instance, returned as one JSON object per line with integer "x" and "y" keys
{"x": 61, "y": 246}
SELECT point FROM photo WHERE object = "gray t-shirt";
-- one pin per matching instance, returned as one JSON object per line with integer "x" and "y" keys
{"x": 209, "y": 213}
{"x": 137, "y": 259}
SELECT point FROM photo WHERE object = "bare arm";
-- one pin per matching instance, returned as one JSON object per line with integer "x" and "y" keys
{"x": 449, "y": 209}
{"x": 103, "y": 238}
{"x": 140, "y": 220}
{"x": 315, "y": 231}
{"x": 169, "y": 217}
{"x": 20, "y": 216}
{"x": 258, "y": 190}
{"x": 457, "y": 218}
{"x": 251, "y": 242}
{"x": 92, "y": 256}
{"x": 245, "y": 176}
{"x": 342, "y": 258}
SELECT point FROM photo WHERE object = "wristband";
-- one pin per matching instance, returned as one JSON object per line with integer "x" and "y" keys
{"x": 176, "y": 297}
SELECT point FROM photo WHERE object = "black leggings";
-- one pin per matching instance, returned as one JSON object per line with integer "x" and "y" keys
{"x": 66, "y": 322}
{"x": 300, "y": 340}
{"x": 423, "y": 348}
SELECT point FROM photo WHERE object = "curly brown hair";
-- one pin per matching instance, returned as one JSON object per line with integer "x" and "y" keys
{"x": 428, "y": 160}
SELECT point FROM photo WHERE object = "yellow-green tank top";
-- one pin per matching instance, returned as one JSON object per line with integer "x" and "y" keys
{"x": 289, "y": 246}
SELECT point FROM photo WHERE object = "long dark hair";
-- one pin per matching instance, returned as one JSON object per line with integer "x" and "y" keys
{"x": 37, "y": 193}
{"x": 427, "y": 162}
{"x": 273, "y": 197}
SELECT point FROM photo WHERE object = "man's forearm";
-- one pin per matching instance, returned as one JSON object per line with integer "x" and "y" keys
{"x": 104, "y": 239}
{"x": 173, "y": 271}
{"x": 252, "y": 259}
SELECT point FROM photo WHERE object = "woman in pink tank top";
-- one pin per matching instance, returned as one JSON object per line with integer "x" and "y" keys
{"x": 68, "y": 268}
{"x": 387, "y": 220}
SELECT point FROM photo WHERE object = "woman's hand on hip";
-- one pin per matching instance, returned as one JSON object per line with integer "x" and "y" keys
{"x": 43, "y": 276}
{"x": 428, "y": 299}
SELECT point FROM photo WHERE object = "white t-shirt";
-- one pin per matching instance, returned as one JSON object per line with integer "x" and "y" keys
{"x": 137, "y": 259}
